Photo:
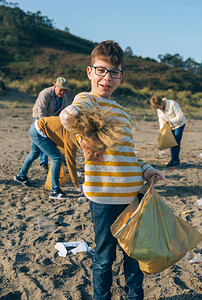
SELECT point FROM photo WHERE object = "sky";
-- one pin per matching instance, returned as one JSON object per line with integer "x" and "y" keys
{"x": 148, "y": 27}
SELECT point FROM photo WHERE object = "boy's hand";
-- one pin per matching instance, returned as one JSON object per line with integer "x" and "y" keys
{"x": 67, "y": 116}
{"x": 150, "y": 172}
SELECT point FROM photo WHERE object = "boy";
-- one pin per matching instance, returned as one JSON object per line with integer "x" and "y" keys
{"x": 170, "y": 111}
{"x": 111, "y": 184}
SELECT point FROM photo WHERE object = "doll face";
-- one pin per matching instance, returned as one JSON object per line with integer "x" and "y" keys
{"x": 93, "y": 149}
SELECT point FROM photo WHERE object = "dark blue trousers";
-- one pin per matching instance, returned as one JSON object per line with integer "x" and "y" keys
{"x": 103, "y": 216}
{"x": 175, "y": 151}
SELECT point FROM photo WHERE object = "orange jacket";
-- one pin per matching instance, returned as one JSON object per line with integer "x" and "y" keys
{"x": 54, "y": 130}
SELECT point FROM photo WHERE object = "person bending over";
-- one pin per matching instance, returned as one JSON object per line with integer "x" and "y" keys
{"x": 171, "y": 112}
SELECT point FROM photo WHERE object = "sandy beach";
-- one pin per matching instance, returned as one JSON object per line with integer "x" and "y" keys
{"x": 30, "y": 267}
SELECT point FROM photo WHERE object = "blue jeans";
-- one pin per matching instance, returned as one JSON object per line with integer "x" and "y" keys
{"x": 43, "y": 156}
{"x": 39, "y": 144}
{"x": 103, "y": 216}
{"x": 175, "y": 151}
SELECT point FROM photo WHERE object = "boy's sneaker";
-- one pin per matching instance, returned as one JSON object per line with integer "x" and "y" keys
{"x": 58, "y": 195}
{"x": 23, "y": 181}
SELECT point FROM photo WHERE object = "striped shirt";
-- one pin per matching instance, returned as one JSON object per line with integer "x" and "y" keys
{"x": 118, "y": 178}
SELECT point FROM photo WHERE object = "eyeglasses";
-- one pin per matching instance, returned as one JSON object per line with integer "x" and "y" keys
{"x": 114, "y": 73}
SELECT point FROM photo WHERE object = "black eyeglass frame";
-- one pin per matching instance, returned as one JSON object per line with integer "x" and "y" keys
{"x": 108, "y": 71}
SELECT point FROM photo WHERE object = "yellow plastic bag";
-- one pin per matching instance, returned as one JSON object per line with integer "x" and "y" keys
{"x": 166, "y": 138}
{"x": 150, "y": 233}
{"x": 63, "y": 177}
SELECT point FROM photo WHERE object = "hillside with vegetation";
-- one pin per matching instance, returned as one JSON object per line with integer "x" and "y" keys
{"x": 33, "y": 53}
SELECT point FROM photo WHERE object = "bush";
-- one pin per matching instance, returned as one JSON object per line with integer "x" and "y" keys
{"x": 2, "y": 87}
{"x": 125, "y": 94}
{"x": 76, "y": 86}
{"x": 32, "y": 86}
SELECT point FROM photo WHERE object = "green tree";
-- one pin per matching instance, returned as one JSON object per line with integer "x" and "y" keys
{"x": 128, "y": 52}
{"x": 175, "y": 60}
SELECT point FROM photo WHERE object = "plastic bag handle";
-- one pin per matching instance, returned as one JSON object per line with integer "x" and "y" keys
{"x": 151, "y": 181}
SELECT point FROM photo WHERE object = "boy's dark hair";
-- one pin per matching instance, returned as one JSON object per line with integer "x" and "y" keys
{"x": 155, "y": 100}
{"x": 108, "y": 51}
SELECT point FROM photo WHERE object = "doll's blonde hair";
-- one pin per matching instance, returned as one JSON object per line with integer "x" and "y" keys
{"x": 96, "y": 123}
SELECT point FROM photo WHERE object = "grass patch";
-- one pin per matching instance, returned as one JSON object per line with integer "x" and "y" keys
{"x": 137, "y": 102}
{"x": 18, "y": 104}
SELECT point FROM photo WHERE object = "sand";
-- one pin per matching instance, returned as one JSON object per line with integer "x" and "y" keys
{"x": 30, "y": 267}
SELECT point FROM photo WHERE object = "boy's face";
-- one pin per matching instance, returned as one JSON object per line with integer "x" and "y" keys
{"x": 103, "y": 86}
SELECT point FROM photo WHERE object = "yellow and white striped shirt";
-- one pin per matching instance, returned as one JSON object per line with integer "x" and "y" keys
{"x": 118, "y": 178}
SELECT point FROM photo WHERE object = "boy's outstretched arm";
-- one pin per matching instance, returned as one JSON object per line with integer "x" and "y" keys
{"x": 67, "y": 115}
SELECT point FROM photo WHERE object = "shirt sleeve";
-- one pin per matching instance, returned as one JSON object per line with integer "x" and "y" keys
{"x": 178, "y": 114}
{"x": 42, "y": 105}
{"x": 144, "y": 165}
{"x": 162, "y": 118}
{"x": 82, "y": 100}
{"x": 70, "y": 157}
